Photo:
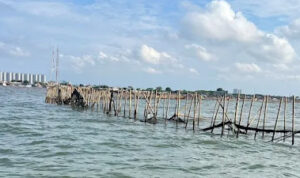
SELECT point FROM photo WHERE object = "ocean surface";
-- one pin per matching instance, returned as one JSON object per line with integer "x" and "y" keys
{"x": 46, "y": 140}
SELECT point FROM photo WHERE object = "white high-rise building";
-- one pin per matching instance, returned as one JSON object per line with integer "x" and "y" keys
{"x": 13, "y": 76}
{"x": 39, "y": 78}
{"x": 4, "y": 76}
{"x": 1, "y": 76}
{"x": 30, "y": 77}
{"x": 9, "y": 76}
{"x": 22, "y": 77}
{"x": 18, "y": 76}
{"x": 43, "y": 79}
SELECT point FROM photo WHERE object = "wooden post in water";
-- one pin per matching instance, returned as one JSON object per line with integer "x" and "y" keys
{"x": 236, "y": 108}
{"x": 241, "y": 116}
{"x": 213, "y": 116}
{"x": 275, "y": 126}
{"x": 284, "y": 117}
{"x": 223, "y": 117}
{"x": 125, "y": 103}
{"x": 259, "y": 116}
{"x": 213, "y": 125}
{"x": 199, "y": 110}
{"x": 164, "y": 105}
{"x": 185, "y": 106}
{"x": 249, "y": 115}
{"x": 188, "y": 116}
{"x": 293, "y": 122}
{"x": 129, "y": 113}
{"x": 167, "y": 110}
{"x": 265, "y": 116}
{"x": 195, "y": 110}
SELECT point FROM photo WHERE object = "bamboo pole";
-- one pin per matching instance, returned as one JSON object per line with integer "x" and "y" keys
{"x": 216, "y": 115}
{"x": 125, "y": 103}
{"x": 284, "y": 117}
{"x": 259, "y": 116}
{"x": 265, "y": 116}
{"x": 188, "y": 116}
{"x": 129, "y": 104}
{"x": 213, "y": 116}
{"x": 223, "y": 117}
{"x": 185, "y": 106}
{"x": 293, "y": 122}
{"x": 249, "y": 114}
{"x": 241, "y": 116}
{"x": 155, "y": 104}
{"x": 199, "y": 110}
{"x": 167, "y": 110}
{"x": 164, "y": 105}
{"x": 275, "y": 126}
{"x": 236, "y": 108}
{"x": 195, "y": 110}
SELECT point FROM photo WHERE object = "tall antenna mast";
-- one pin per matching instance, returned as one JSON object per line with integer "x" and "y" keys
{"x": 57, "y": 64}
{"x": 53, "y": 65}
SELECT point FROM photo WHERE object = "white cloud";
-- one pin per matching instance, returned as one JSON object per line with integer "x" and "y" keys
{"x": 248, "y": 68}
{"x": 13, "y": 50}
{"x": 151, "y": 70}
{"x": 78, "y": 63}
{"x": 291, "y": 31}
{"x": 150, "y": 55}
{"x": 281, "y": 67}
{"x": 231, "y": 33}
{"x": 194, "y": 71}
{"x": 17, "y": 51}
{"x": 199, "y": 52}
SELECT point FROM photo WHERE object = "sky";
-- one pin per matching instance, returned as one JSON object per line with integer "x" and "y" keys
{"x": 190, "y": 44}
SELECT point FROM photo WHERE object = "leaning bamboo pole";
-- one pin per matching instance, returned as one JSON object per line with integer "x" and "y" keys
{"x": 276, "y": 121}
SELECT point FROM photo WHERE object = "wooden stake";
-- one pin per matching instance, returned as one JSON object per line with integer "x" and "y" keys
{"x": 284, "y": 117}
{"x": 259, "y": 116}
{"x": 293, "y": 122}
{"x": 129, "y": 104}
{"x": 249, "y": 115}
{"x": 213, "y": 125}
{"x": 199, "y": 111}
{"x": 236, "y": 108}
{"x": 265, "y": 116}
{"x": 185, "y": 107}
{"x": 223, "y": 117}
{"x": 168, "y": 106}
{"x": 241, "y": 116}
{"x": 278, "y": 113}
{"x": 195, "y": 110}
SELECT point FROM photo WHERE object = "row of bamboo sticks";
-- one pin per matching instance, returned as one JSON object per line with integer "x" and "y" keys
{"x": 187, "y": 108}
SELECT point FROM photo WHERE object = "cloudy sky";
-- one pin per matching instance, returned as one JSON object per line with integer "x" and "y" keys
{"x": 195, "y": 44}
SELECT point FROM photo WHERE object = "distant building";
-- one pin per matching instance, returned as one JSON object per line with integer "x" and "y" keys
{"x": 43, "y": 79}
{"x": 9, "y": 76}
{"x": 4, "y": 76}
{"x": 13, "y": 76}
{"x": 22, "y": 77}
{"x": 31, "y": 78}
{"x": 237, "y": 91}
